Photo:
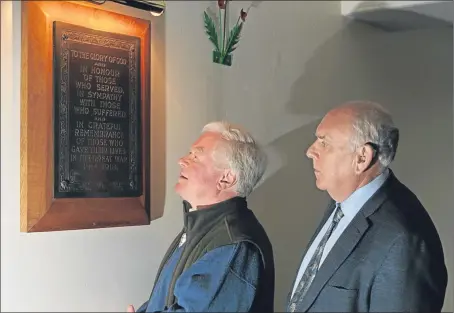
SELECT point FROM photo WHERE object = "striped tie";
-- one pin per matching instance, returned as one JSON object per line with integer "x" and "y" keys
{"x": 314, "y": 263}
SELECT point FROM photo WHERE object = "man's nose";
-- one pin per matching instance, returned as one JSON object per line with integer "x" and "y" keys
{"x": 310, "y": 153}
{"x": 183, "y": 162}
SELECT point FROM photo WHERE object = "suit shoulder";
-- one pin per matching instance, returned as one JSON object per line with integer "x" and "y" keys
{"x": 403, "y": 215}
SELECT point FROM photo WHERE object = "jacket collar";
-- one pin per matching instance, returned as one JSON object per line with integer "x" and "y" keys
{"x": 195, "y": 221}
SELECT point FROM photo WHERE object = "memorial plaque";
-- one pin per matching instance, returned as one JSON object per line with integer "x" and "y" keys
{"x": 97, "y": 142}
{"x": 86, "y": 119}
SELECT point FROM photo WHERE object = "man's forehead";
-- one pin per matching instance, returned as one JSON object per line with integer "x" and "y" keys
{"x": 334, "y": 125}
{"x": 205, "y": 141}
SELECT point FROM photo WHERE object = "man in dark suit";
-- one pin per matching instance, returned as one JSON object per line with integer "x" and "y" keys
{"x": 376, "y": 248}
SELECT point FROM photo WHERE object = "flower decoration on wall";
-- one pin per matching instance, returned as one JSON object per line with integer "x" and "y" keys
{"x": 224, "y": 45}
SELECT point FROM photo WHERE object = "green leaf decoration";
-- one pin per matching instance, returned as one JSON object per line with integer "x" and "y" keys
{"x": 234, "y": 38}
{"x": 211, "y": 30}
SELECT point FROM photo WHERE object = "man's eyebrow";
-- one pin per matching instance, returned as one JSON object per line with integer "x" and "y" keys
{"x": 197, "y": 149}
{"x": 324, "y": 137}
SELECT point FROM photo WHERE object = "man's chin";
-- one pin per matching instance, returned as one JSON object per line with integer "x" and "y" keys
{"x": 319, "y": 184}
{"x": 180, "y": 190}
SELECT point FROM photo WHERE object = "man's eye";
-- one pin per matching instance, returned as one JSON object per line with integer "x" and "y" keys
{"x": 323, "y": 143}
{"x": 193, "y": 155}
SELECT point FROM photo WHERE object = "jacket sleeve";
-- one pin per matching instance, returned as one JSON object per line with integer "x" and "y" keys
{"x": 223, "y": 280}
{"x": 411, "y": 279}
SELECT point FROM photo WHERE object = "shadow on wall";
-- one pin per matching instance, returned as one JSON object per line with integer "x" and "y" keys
{"x": 288, "y": 203}
{"x": 340, "y": 70}
{"x": 158, "y": 119}
{"x": 358, "y": 62}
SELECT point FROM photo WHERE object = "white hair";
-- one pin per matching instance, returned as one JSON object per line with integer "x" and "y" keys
{"x": 243, "y": 155}
{"x": 373, "y": 124}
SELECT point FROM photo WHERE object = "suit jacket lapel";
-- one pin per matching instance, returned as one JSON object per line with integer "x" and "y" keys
{"x": 328, "y": 212}
{"x": 340, "y": 251}
{"x": 345, "y": 244}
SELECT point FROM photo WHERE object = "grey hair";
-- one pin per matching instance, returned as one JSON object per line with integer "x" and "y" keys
{"x": 243, "y": 154}
{"x": 373, "y": 124}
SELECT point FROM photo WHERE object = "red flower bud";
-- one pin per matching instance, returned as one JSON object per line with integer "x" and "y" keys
{"x": 221, "y": 4}
{"x": 243, "y": 15}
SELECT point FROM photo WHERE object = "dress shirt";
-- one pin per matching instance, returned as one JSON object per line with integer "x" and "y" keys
{"x": 350, "y": 207}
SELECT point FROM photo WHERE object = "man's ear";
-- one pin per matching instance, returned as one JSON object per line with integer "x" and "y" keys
{"x": 227, "y": 180}
{"x": 364, "y": 158}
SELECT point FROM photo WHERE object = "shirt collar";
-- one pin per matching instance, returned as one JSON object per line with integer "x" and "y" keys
{"x": 351, "y": 206}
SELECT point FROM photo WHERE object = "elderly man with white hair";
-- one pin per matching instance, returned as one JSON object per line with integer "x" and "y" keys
{"x": 376, "y": 248}
{"x": 222, "y": 260}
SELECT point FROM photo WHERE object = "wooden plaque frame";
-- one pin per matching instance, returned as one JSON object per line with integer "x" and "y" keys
{"x": 40, "y": 211}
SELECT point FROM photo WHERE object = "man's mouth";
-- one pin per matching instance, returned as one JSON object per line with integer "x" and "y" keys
{"x": 183, "y": 177}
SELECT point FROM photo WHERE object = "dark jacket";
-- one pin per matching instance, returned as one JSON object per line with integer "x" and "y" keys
{"x": 227, "y": 231}
{"x": 388, "y": 259}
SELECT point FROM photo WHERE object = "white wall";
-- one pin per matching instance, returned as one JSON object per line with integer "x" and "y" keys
{"x": 294, "y": 62}
{"x": 298, "y": 59}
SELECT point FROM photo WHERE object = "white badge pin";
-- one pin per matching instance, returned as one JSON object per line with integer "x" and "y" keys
{"x": 182, "y": 240}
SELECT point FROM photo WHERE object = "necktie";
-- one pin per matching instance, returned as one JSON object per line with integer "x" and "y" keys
{"x": 314, "y": 263}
